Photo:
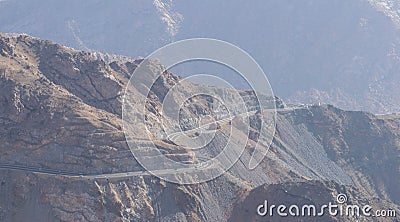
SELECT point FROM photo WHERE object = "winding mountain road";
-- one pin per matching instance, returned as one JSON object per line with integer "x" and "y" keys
{"x": 54, "y": 172}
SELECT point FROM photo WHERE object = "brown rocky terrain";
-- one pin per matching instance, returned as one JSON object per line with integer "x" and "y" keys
{"x": 60, "y": 112}
{"x": 307, "y": 193}
{"x": 339, "y": 52}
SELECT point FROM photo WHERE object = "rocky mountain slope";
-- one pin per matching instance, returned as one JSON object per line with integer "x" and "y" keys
{"x": 63, "y": 154}
{"x": 93, "y": 25}
{"x": 339, "y": 52}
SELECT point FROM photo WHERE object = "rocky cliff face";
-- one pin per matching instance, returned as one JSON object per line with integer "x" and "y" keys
{"x": 63, "y": 152}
